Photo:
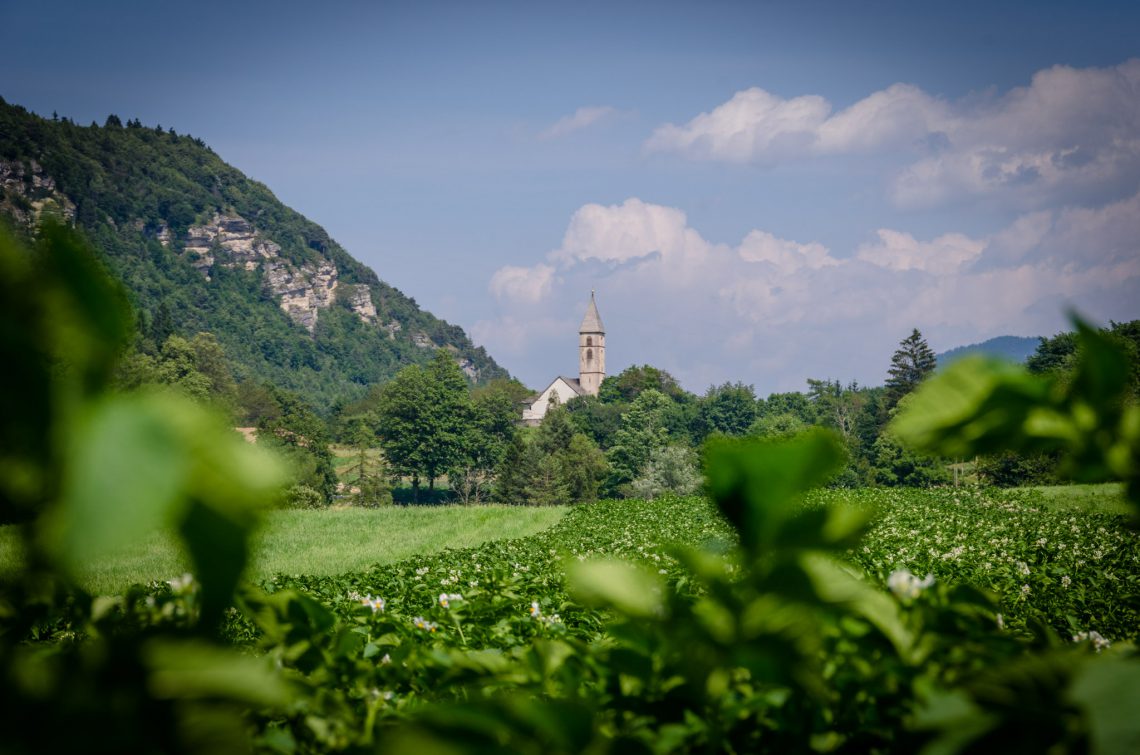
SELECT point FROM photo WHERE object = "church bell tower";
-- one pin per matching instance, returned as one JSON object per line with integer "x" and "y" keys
{"x": 591, "y": 351}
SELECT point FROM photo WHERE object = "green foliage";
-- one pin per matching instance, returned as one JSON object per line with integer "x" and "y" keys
{"x": 631, "y": 382}
{"x": 424, "y": 417}
{"x": 796, "y": 404}
{"x": 296, "y": 433}
{"x": 727, "y": 409}
{"x": 1056, "y": 354}
{"x": 781, "y": 425}
{"x": 600, "y": 421}
{"x": 302, "y": 496}
{"x": 633, "y": 626}
{"x": 979, "y": 406}
{"x": 581, "y": 467}
{"x": 196, "y": 367}
{"x": 1059, "y": 355}
{"x": 367, "y": 475}
{"x": 1009, "y": 469}
{"x": 551, "y": 465}
{"x": 672, "y": 469}
{"x": 894, "y": 464}
{"x": 642, "y": 430}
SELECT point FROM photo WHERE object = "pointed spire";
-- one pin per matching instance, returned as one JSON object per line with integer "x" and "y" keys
{"x": 592, "y": 323}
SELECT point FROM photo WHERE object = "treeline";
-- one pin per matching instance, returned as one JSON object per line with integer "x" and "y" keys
{"x": 651, "y": 429}
{"x": 433, "y": 437}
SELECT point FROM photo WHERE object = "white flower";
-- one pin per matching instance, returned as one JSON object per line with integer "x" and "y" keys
{"x": 905, "y": 585}
{"x": 446, "y": 598}
{"x": 1025, "y": 590}
{"x": 534, "y": 610}
{"x": 427, "y": 626}
{"x": 376, "y": 604}
{"x": 183, "y": 583}
{"x": 1066, "y": 581}
{"x": 1098, "y": 641}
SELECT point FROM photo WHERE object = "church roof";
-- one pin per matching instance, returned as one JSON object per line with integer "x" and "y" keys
{"x": 572, "y": 382}
{"x": 592, "y": 323}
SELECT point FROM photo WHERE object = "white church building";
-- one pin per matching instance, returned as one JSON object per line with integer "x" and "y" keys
{"x": 591, "y": 369}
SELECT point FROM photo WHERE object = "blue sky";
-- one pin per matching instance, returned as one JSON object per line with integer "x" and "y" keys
{"x": 762, "y": 192}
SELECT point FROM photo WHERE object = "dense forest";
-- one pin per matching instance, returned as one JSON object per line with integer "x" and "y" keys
{"x": 142, "y": 195}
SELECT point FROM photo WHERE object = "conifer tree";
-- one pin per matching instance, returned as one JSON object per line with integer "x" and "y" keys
{"x": 910, "y": 365}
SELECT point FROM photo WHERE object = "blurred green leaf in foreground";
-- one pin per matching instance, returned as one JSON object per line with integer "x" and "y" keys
{"x": 84, "y": 470}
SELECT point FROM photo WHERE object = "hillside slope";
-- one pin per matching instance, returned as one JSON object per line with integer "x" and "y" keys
{"x": 202, "y": 247}
{"x": 1014, "y": 348}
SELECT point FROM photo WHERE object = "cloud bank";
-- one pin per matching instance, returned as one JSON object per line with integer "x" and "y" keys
{"x": 774, "y": 311}
{"x": 1069, "y": 133}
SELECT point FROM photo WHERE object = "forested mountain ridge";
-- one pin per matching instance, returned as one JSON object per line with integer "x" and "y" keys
{"x": 201, "y": 247}
{"x": 1014, "y": 348}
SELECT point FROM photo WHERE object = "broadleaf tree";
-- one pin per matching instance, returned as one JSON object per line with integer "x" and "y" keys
{"x": 423, "y": 415}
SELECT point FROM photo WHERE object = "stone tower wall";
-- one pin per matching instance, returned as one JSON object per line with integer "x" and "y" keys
{"x": 591, "y": 361}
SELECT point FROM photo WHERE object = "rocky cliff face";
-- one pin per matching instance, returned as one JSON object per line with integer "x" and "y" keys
{"x": 229, "y": 240}
{"x": 27, "y": 194}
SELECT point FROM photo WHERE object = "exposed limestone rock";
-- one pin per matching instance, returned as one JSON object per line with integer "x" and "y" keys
{"x": 468, "y": 368}
{"x": 232, "y": 241}
{"x": 228, "y": 240}
{"x": 393, "y": 328}
{"x": 303, "y": 290}
{"x": 422, "y": 340}
{"x": 360, "y": 300}
{"x": 160, "y": 232}
{"x": 27, "y": 193}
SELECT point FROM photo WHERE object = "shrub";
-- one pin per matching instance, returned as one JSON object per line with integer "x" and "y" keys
{"x": 304, "y": 497}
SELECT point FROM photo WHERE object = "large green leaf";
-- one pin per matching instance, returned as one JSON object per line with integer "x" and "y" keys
{"x": 1108, "y": 690}
{"x": 977, "y": 405}
{"x": 126, "y": 476}
{"x": 195, "y": 670}
{"x": 756, "y": 482}
{"x": 628, "y": 589}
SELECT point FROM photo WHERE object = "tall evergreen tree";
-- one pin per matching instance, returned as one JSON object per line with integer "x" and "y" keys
{"x": 911, "y": 363}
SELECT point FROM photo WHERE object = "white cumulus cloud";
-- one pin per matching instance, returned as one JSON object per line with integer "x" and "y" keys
{"x": 774, "y": 311}
{"x": 1069, "y": 132}
{"x": 896, "y": 250}
{"x": 522, "y": 284}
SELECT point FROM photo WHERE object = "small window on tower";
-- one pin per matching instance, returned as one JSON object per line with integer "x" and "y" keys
{"x": 589, "y": 340}
{"x": 589, "y": 355}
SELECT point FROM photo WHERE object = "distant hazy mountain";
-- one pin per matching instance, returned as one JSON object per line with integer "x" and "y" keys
{"x": 201, "y": 247}
{"x": 1015, "y": 348}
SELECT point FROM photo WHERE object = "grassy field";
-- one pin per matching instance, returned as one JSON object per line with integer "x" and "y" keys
{"x": 1106, "y": 498}
{"x": 319, "y": 542}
